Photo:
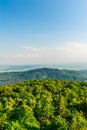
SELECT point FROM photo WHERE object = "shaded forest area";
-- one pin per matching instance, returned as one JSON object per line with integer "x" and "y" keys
{"x": 44, "y": 105}
{"x": 42, "y": 73}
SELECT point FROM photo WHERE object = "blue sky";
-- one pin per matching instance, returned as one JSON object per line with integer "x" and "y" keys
{"x": 43, "y": 31}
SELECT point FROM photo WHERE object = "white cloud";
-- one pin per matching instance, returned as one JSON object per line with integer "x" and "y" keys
{"x": 18, "y": 56}
{"x": 68, "y": 52}
{"x": 73, "y": 47}
{"x": 75, "y": 52}
{"x": 30, "y": 48}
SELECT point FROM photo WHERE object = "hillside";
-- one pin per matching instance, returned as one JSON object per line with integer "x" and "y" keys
{"x": 43, "y": 73}
{"x": 44, "y": 105}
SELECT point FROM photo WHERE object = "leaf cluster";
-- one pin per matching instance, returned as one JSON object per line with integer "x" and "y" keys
{"x": 44, "y": 105}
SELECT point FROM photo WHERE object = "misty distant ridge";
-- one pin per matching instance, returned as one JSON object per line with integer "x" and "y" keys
{"x": 68, "y": 66}
{"x": 16, "y": 73}
{"x": 43, "y": 73}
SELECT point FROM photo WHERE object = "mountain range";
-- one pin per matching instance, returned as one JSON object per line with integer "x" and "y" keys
{"x": 43, "y": 73}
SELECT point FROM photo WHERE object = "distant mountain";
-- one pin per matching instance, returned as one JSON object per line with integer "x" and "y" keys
{"x": 18, "y": 68}
{"x": 15, "y": 68}
{"x": 42, "y": 73}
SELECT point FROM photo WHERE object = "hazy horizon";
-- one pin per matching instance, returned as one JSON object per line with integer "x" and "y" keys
{"x": 43, "y": 32}
{"x": 26, "y": 67}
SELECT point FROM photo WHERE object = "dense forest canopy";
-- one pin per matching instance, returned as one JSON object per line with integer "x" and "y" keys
{"x": 44, "y": 105}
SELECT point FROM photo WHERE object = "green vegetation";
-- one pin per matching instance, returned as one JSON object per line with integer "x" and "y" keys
{"x": 44, "y": 73}
{"x": 44, "y": 105}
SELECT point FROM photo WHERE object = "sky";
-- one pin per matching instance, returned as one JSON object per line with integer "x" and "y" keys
{"x": 43, "y": 31}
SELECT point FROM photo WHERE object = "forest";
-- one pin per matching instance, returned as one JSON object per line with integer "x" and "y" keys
{"x": 42, "y": 73}
{"x": 44, "y": 105}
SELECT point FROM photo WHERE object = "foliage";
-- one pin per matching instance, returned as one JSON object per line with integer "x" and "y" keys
{"x": 44, "y": 105}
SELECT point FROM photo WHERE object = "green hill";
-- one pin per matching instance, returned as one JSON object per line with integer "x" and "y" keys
{"x": 44, "y": 105}
{"x": 43, "y": 73}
